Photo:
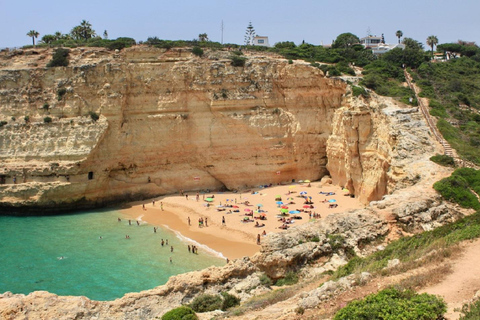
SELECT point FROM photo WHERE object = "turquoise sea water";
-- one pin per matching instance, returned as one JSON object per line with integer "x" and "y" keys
{"x": 65, "y": 255}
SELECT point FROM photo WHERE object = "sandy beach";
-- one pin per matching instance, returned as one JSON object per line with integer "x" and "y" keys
{"x": 237, "y": 237}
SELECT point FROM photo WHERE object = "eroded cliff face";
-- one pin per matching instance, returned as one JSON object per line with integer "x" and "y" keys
{"x": 170, "y": 121}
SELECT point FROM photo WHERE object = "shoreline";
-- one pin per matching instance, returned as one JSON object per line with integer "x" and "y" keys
{"x": 237, "y": 238}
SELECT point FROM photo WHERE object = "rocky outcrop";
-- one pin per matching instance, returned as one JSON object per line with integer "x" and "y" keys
{"x": 290, "y": 250}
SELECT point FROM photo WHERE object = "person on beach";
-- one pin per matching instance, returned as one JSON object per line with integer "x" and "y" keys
{"x": 129, "y": 222}
{"x": 154, "y": 229}
{"x": 186, "y": 196}
{"x": 171, "y": 249}
{"x": 189, "y": 249}
{"x": 166, "y": 242}
{"x": 127, "y": 236}
{"x": 206, "y": 222}
{"x": 119, "y": 220}
{"x": 258, "y": 238}
{"x": 143, "y": 206}
{"x": 170, "y": 259}
{"x": 138, "y": 223}
{"x": 223, "y": 221}
{"x": 153, "y": 203}
{"x": 189, "y": 221}
{"x": 198, "y": 197}
{"x": 163, "y": 242}
{"x": 228, "y": 260}
{"x": 161, "y": 205}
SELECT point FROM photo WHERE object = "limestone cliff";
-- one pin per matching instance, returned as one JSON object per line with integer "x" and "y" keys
{"x": 171, "y": 121}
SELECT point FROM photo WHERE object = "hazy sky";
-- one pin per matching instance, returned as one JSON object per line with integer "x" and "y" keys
{"x": 315, "y": 21}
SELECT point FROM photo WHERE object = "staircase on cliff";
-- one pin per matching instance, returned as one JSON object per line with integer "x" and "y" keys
{"x": 447, "y": 149}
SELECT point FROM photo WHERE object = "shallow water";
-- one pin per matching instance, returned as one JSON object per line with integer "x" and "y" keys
{"x": 65, "y": 255}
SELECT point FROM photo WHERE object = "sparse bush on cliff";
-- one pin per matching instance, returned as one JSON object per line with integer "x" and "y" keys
{"x": 94, "y": 116}
{"x": 2, "y": 123}
{"x": 289, "y": 279}
{"x": 45, "y": 107}
{"x": 238, "y": 61}
{"x": 443, "y": 160}
{"x": 180, "y": 313}
{"x": 394, "y": 304}
{"x": 471, "y": 311}
{"x": 359, "y": 91}
{"x": 197, "y": 51}
{"x": 27, "y": 119}
{"x": 59, "y": 58}
{"x": 47, "y": 119}
{"x": 206, "y": 303}
{"x": 60, "y": 93}
{"x": 229, "y": 301}
{"x": 265, "y": 280}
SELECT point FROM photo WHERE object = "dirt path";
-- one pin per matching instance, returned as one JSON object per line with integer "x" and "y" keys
{"x": 461, "y": 285}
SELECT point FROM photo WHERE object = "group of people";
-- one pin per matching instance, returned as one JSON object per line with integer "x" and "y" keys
{"x": 193, "y": 249}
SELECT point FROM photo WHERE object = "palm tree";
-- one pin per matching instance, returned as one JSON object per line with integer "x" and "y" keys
{"x": 399, "y": 34}
{"x": 432, "y": 41}
{"x": 34, "y": 34}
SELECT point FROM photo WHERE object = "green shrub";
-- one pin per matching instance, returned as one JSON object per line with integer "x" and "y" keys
{"x": 60, "y": 93}
{"x": 289, "y": 279}
{"x": 265, "y": 280}
{"x": 47, "y": 119}
{"x": 46, "y": 106}
{"x": 2, "y": 123}
{"x": 59, "y": 58}
{"x": 180, "y": 313}
{"x": 26, "y": 118}
{"x": 197, "y": 51}
{"x": 238, "y": 61}
{"x": 393, "y": 304}
{"x": 471, "y": 311}
{"x": 359, "y": 91}
{"x": 206, "y": 303}
{"x": 456, "y": 189}
{"x": 443, "y": 159}
{"x": 290, "y": 61}
{"x": 94, "y": 116}
{"x": 229, "y": 301}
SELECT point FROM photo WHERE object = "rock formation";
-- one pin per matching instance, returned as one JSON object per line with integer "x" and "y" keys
{"x": 171, "y": 121}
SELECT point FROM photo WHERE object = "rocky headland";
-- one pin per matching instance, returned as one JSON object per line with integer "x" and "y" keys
{"x": 171, "y": 121}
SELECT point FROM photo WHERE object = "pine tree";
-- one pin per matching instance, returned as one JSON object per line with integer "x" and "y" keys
{"x": 249, "y": 34}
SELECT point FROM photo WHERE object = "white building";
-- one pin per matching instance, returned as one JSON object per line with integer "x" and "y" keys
{"x": 383, "y": 47}
{"x": 261, "y": 41}
{"x": 371, "y": 41}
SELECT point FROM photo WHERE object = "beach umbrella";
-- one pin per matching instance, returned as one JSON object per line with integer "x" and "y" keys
{"x": 209, "y": 199}
{"x": 279, "y": 202}
{"x": 284, "y": 210}
{"x": 259, "y": 205}
{"x": 294, "y": 211}
{"x": 278, "y": 196}
{"x": 300, "y": 181}
{"x": 332, "y": 200}
{"x": 263, "y": 214}
{"x": 284, "y": 207}
{"x": 247, "y": 209}
{"x": 235, "y": 207}
{"x": 303, "y": 192}
{"x": 306, "y": 206}
{"x": 307, "y": 181}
